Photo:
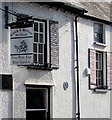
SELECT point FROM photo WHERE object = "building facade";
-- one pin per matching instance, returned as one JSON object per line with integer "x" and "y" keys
{"x": 94, "y": 31}
{"x": 36, "y": 56}
{"x": 37, "y": 63}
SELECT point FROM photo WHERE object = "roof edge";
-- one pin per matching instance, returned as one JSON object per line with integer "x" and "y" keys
{"x": 96, "y": 19}
{"x": 65, "y": 6}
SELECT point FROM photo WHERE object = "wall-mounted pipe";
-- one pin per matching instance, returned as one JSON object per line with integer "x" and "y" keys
{"x": 77, "y": 63}
{"x": 77, "y": 67}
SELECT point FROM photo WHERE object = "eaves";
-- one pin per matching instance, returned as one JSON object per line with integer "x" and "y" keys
{"x": 96, "y": 19}
{"x": 64, "y": 7}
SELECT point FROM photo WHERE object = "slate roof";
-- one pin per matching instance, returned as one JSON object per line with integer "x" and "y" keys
{"x": 101, "y": 10}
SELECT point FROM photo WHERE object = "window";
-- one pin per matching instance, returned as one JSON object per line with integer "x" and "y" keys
{"x": 6, "y": 82}
{"x": 39, "y": 43}
{"x": 46, "y": 44}
{"x": 35, "y": 44}
{"x": 37, "y": 103}
{"x": 98, "y": 33}
{"x": 99, "y": 69}
{"x": 98, "y": 65}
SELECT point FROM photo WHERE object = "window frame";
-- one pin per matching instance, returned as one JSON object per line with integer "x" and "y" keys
{"x": 102, "y": 84}
{"x": 103, "y": 34}
{"x": 38, "y": 41}
{"x": 99, "y": 69}
{"x": 33, "y": 87}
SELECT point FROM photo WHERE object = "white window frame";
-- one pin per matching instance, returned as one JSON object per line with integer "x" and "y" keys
{"x": 38, "y": 42}
{"x": 103, "y": 68}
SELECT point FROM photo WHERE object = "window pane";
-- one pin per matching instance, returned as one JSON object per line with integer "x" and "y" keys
{"x": 41, "y": 38}
{"x": 99, "y": 74}
{"x": 100, "y": 65}
{"x": 35, "y": 37}
{"x": 40, "y": 48}
{"x": 98, "y": 32}
{"x": 96, "y": 65}
{"x": 96, "y": 56}
{"x": 35, "y": 48}
{"x": 100, "y": 57}
{"x": 36, "y": 27}
{"x": 37, "y": 99}
{"x": 96, "y": 28}
{"x": 6, "y": 82}
{"x": 41, "y": 27}
{"x": 97, "y": 37}
{"x": 101, "y": 38}
{"x": 101, "y": 28}
{"x": 40, "y": 59}
{"x": 99, "y": 68}
{"x": 35, "y": 58}
{"x": 36, "y": 115}
{"x": 96, "y": 73}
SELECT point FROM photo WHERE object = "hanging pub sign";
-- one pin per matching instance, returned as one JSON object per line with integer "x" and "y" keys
{"x": 21, "y": 46}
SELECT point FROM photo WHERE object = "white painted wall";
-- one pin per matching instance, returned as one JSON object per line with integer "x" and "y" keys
{"x": 93, "y": 105}
{"x": 111, "y": 91}
{"x": 62, "y": 103}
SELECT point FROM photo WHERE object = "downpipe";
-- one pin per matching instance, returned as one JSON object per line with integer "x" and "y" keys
{"x": 77, "y": 67}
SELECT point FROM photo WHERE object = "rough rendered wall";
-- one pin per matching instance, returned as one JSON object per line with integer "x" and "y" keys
{"x": 7, "y": 104}
{"x": 62, "y": 102}
{"x": 93, "y": 105}
{"x": 5, "y": 95}
{"x": 0, "y": 58}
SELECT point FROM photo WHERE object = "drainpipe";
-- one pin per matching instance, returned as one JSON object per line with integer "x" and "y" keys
{"x": 75, "y": 48}
{"x": 77, "y": 67}
{"x": 77, "y": 63}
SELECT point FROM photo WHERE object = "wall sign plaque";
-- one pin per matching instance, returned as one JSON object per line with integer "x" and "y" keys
{"x": 22, "y": 46}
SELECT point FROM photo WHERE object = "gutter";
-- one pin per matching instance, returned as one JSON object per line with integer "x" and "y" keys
{"x": 64, "y": 7}
{"x": 96, "y": 19}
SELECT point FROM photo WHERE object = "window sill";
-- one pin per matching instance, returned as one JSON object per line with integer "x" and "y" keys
{"x": 100, "y": 90}
{"x": 100, "y": 44}
{"x": 39, "y": 68}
